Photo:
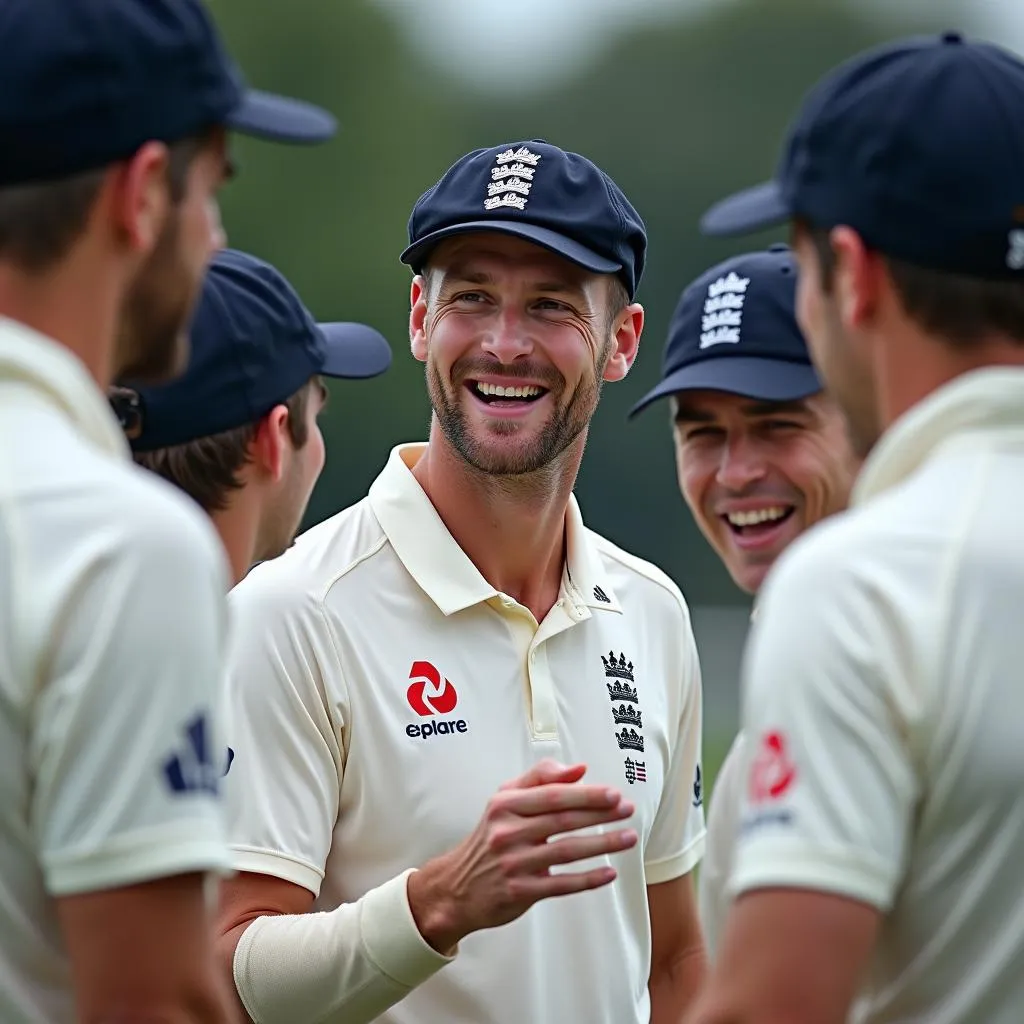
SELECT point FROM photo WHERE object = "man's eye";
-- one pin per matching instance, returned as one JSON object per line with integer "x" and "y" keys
{"x": 470, "y": 297}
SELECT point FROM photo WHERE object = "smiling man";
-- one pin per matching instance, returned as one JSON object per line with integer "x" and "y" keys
{"x": 458, "y": 628}
{"x": 762, "y": 455}
{"x": 882, "y": 834}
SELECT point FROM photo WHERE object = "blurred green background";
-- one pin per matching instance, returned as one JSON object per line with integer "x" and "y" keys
{"x": 679, "y": 101}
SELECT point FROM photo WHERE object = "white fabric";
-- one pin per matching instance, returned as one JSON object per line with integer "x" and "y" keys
{"x": 334, "y": 786}
{"x": 111, "y": 644}
{"x": 716, "y": 867}
{"x": 885, "y": 712}
{"x": 334, "y": 967}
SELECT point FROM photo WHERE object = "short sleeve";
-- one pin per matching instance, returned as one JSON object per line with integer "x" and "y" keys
{"x": 285, "y": 741}
{"x": 125, "y": 751}
{"x": 676, "y": 842}
{"x": 831, "y": 785}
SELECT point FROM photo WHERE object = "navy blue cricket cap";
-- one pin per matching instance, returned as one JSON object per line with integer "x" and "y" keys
{"x": 734, "y": 329}
{"x": 254, "y": 344}
{"x": 533, "y": 190}
{"x": 918, "y": 146}
{"x": 85, "y": 83}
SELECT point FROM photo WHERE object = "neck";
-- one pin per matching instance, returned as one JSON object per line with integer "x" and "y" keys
{"x": 75, "y": 305}
{"x": 238, "y": 526}
{"x": 909, "y": 372}
{"x": 512, "y": 528}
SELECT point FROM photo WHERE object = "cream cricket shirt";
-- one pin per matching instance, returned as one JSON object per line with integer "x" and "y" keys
{"x": 884, "y": 708}
{"x": 382, "y": 691}
{"x": 723, "y": 823}
{"x": 111, "y": 643}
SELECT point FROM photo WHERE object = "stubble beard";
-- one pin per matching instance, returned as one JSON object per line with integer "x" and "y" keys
{"x": 565, "y": 425}
{"x": 153, "y": 345}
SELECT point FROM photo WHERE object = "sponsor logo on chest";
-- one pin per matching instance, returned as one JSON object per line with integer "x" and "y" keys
{"x": 435, "y": 699}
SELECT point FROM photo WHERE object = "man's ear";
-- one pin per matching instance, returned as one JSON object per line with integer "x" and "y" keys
{"x": 139, "y": 196}
{"x": 271, "y": 442}
{"x": 626, "y": 331}
{"x": 857, "y": 279}
{"x": 418, "y": 299}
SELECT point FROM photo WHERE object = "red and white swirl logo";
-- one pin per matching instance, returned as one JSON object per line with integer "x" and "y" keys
{"x": 772, "y": 770}
{"x": 430, "y": 694}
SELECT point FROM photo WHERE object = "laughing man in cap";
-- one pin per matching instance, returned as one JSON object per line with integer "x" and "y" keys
{"x": 433, "y": 685}
{"x": 238, "y": 432}
{"x": 762, "y": 455}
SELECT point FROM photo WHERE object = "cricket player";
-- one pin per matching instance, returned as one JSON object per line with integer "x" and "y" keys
{"x": 762, "y": 454}
{"x": 466, "y": 728}
{"x": 112, "y": 117}
{"x": 238, "y": 432}
{"x": 881, "y": 845}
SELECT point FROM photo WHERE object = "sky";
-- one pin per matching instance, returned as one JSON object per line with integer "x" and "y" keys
{"x": 553, "y": 38}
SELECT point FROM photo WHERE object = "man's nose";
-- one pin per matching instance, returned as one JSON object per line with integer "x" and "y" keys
{"x": 508, "y": 337}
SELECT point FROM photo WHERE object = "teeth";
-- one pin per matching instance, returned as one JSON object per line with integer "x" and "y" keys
{"x": 761, "y": 515}
{"x": 502, "y": 392}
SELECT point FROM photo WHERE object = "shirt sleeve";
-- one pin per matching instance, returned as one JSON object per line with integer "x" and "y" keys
{"x": 715, "y": 868}
{"x": 831, "y": 785}
{"x": 285, "y": 741}
{"x": 124, "y": 747}
{"x": 676, "y": 842}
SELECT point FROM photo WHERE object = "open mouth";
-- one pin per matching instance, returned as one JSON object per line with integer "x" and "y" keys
{"x": 758, "y": 522}
{"x": 506, "y": 396}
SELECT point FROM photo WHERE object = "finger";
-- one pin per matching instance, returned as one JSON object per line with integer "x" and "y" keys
{"x": 545, "y": 772}
{"x": 531, "y": 889}
{"x": 538, "y": 858}
{"x": 540, "y": 828}
{"x": 555, "y": 797}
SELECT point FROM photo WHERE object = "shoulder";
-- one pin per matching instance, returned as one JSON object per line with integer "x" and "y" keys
{"x": 818, "y": 595}
{"x": 81, "y": 507}
{"x": 846, "y": 619}
{"x": 877, "y": 559}
{"x": 299, "y": 580}
{"x": 638, "y": 582}
{"x": 157, "y": 524}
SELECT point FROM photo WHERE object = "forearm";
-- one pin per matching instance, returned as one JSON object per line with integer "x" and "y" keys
{"x": 676, "y": 985}
{"x": 349, "y": 964}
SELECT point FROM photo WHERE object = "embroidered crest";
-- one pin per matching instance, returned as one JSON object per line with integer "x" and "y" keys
{"x": 511, "y": 179}
{"x": 723, "y": 310}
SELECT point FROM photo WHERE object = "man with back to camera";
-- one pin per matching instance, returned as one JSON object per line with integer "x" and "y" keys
{"x": 460, "y": 628}
{"x": 762, "y": 454}
{"x": 113, "y": 117}
{"x": 883, "y": 823}
{"x": 238, "y": 432}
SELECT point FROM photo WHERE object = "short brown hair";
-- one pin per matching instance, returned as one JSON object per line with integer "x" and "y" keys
{"x": 207, "y": 469}
{"x": 959, "y": 309}
{"x": 40, "y": 221}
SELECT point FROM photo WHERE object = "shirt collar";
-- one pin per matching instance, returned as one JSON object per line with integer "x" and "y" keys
{"x": 442, "y": 569}
{"x": 980, "y": 401}
{"x": 56, "y": 374}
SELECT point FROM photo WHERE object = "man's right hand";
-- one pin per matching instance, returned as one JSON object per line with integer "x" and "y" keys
{"x": 498, "y": 872}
